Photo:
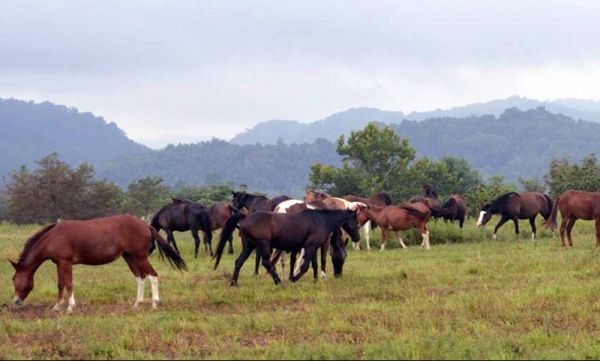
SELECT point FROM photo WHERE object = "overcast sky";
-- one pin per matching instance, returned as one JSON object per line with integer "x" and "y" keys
{"x": 181, "y": 71}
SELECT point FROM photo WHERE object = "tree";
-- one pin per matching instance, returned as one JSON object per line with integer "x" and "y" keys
{"x": 532, "y": 185}
{"x": 146, "y": 195}
{"x": 485, "y": 192}
{"x": 564, "y": 175}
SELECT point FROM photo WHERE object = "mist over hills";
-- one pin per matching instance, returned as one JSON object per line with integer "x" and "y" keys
{"x": 513, "y": 143}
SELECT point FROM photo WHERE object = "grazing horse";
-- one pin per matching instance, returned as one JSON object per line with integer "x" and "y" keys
{"x": 514, "y": 206}
{"x": 575, "y": 205}
{"x": 430, "y": 198}
{"x": 219, "y": 213}
{"x": 92, "y": 242}
{"x": 253, "y": 202}
{"x": 336, "y": 203}
{"x": 308, "y": 229}
{"x": 398, "y": 218}
{"x": 455, "y": 209}
{"x": 380, "y": 199}
{"x": 181, "y": 216}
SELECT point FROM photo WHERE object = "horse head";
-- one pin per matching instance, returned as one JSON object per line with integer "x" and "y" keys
{"x": 23, "y": 282}
{"x": 485, "y": 214}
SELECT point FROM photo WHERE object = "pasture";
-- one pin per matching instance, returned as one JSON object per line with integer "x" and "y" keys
{"x": 472, "y": 299}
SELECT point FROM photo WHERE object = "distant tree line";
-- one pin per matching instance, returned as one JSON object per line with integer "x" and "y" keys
{"x": 55, "y": 191}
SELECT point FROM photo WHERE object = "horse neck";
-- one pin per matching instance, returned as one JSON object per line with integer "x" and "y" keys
{"x": 31, "y": 261}
{"x": 335, "y": 219}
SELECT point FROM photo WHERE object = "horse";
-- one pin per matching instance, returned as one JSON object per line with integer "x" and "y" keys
{"x": 253, "y": 202}
{"x": 454, "y": 209}
{"x": 336, "y": 203}
{"x": 430, "y": 199}
{"x": 219, "y": 213}
{"x": 92, "y": 242}
{"x": 181, "y": 216}
{"x": 380, "y": 199}
{"x": 514, "y": 206}
{"x": 308, "y": 229}
{"x": 400, "y": 218}
{"x": 575, "y": 205}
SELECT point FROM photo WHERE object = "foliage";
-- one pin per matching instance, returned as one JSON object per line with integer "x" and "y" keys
{"x": 146, "y": 195}
{"x": 207, "y": 195}
{"x": 55, "y": 191}
{"x": 532, "y": 185}
{"x": 564, "y": 175}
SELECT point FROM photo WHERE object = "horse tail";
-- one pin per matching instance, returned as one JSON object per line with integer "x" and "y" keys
{"x": 226, "y": 234}
{"x": 166, "y": 250}
{"x": 548, "y": 211}
{"x": 551, "y": 221}
{"x": 155, "y": 223}
{"x": 415, "y": 212}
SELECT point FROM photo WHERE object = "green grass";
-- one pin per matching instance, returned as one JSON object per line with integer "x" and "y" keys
{"x": 504, "y": 299}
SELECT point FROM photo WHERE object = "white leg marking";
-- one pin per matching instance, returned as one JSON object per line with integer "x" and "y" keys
{"x": 425, "y": 240}
{"x": 382, "y": 246}
{"x": 71, "y": 304}
{"x": 533, "y": 236}
{"x": 480, "y": 219}
{"x": 323, "y": 274}
{"x": 140, "y": 291}
{"x": 299, "y": 263}
{"x": 401, "y": 243}
{"x": 367, "y": 234}
{"x": 494, "y": 236}
{"x": 154, "y": 286}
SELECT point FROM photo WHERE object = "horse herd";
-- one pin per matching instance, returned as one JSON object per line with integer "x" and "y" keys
{"x": 270, "y": 227}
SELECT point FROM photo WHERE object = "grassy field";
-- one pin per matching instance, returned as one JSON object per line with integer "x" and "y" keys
{"x": 502, "y": 299}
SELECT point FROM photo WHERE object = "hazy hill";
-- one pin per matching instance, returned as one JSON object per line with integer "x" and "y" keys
{"x": 344, "y": 122}
{"x": 30, "y": 131}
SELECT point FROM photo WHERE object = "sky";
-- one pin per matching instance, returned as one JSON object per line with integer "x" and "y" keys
{"x": 186, "y": 71}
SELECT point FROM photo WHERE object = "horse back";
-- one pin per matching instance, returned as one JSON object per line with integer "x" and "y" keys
{"x": 580, "y": 204}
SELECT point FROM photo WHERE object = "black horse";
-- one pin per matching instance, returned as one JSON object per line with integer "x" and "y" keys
{"x": 253, "y": 202}
{"x": 184, "y": 215}
{"x": 514, "y": 206}
{"x": 309, "y": 229}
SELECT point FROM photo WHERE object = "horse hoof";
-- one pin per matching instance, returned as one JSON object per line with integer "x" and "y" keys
{"x": 233, "y": 284}
{"x": 230, "y": 251}
{"x": 323, "y": 274}
{"x": 155, "y": 305}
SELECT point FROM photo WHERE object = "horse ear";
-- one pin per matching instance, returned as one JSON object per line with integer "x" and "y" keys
{"x": 14, "y": 264}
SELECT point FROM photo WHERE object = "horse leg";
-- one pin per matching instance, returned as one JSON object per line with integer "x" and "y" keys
{"x": 139, "y": 277}
{"x": 239, "y": 262}
{"x": 461, "y": 221}
{"x": 301, "y": 261}
{"x": 384, "y": 235}
{"x": 67, "y": 271}
{"x": 171, "y": 239}
{"x": 61, "y": 286}
{"x": 309, "y": 254}
{"x": 516, "y": 222}
{"x": 208, "y": 240}
{"x": 230, "y": 249}
{"x": 569, "y": 229}
{"x": 147, "y": 270}
{"x": 533, "y": 228}
{"x": 425, "y": 236}
{"x": 324, "y": 251}
{"x": 197, "y": 242}
{"x": 597, "y": 232}
{"x": 502, "y": 221}
{"x": 256, "y": 263}
{"x": 399, "y": 238}
{"x": 563, "y": 229}
{"x": 315, "y": 266}
{"x": 265, "y": 253}
{"x": 293, "y": 255}
{"x": 367, "y": 228}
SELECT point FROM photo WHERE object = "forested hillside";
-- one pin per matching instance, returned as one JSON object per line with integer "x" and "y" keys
{"x": 30, "y": 131}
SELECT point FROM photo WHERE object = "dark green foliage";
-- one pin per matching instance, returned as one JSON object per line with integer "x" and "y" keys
{"x": 146, "y": 195}
{"x": 565, "y": 175}
{"x": 485, "y": 192}
{"x": 206, "y": 195}
{"x": 55, "y": 191}
{"x": 532, "y": 185}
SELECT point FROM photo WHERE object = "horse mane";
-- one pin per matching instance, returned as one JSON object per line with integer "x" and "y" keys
{"x": 385, "y": 197}
{"x": 430, "y": 192}
{"x": 32, "y": 241}
{"x": 503, "y": 198}
{"x": 449, "y": 203}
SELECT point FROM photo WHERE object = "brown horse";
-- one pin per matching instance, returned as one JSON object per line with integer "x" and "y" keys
{"x": 381, "y": 199}
{"x": 429, "y": 198}
{"x": 400, "y": 218}
{"x": 514, "y": 206}
{"x": 219, "y": 213}
{"x": 455, "y": 209}
{"x": 93, "y": 242}
{"x": 575, "y": 205}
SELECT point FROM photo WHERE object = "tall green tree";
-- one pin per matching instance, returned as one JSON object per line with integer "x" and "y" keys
{"x": 146, "y": 195}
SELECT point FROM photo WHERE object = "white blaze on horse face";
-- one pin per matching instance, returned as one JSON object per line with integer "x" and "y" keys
{"x": 480, "y": 220}
{"x": 154, "y": 286}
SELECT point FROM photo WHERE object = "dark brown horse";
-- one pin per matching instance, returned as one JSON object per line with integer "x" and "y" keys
{"x": 253, "y": 202}
{"x": 398, "y": 218}
{"x": 93, "y": 242}
{"x": 219, "y": 213}
{"x": 309, "y": 229}
{"x": 514, "y": 206}
{"x": 429, "y": 198}
{"x": 575, "y": 205}
{"x": 185, "y": 215}
{"x": 454, "y": 209}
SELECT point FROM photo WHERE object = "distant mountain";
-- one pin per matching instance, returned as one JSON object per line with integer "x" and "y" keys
{"x": 344, "y": 122}
{"x": 29, "y": 131}
{"x": 290, "y": 131}
{"x": 515, "y": 144}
